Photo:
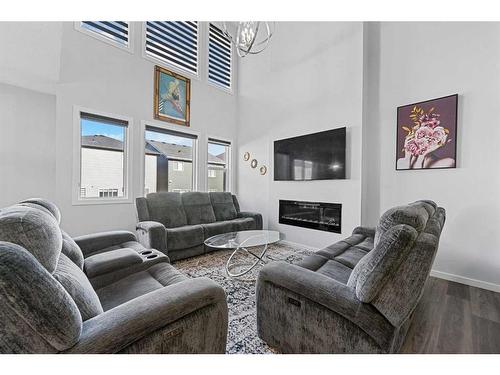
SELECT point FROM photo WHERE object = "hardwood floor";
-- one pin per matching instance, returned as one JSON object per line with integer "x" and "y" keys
{"x": 455, "y": 318}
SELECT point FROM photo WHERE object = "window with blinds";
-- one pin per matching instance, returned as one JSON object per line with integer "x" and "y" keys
{"x": 173, "y": 42}
{"x": 219, "y": 58}
{"x": 117, "y": 32}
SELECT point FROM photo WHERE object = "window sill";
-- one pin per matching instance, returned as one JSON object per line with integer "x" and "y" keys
{"x": 91, "y": 202}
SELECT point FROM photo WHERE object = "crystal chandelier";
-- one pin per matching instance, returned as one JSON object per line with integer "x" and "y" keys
{"x": 250, "y": 37}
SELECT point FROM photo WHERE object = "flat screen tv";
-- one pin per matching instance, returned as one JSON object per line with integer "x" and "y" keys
{"x": 318, "y": 156}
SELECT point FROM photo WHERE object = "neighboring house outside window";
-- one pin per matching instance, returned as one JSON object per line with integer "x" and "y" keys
{"x": 168, "y": 164}
{"x": 218, "y": 165}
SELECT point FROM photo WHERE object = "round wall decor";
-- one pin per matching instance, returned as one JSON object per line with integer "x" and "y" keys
{"x": 263, "y": 170}
{"x": 246, "y": 156}
{"x": 254, "y": 163}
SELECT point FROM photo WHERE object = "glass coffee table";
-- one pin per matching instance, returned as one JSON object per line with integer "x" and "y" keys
{"x": 242, "y": 242}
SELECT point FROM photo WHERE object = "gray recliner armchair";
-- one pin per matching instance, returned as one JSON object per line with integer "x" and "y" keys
{"x": 102, "y": 293}
{"x": 357, "y": 295}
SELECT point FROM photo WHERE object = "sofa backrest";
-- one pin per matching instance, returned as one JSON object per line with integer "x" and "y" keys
{"x": 45, "y": 295}
{"x": 223, "y": 206}
{"x": 198, "y": 208}
{"x": 163, "y": 207}
{"x": 179, "y": 209}
{"x": 392, "y": 276}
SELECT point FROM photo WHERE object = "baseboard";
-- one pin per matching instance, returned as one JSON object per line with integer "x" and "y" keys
{"x": 465, "y": 280}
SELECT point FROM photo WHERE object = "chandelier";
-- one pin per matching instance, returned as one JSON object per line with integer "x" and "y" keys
{"x": 250, "y": 37}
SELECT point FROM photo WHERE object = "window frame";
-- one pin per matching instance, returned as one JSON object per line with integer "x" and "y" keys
{"x": 174, "y": 67}
{"x": 128, "y": 47}
{"x": 169, "y": 128}
{"x": 128, "y": 195}
{"x": 231, "y": 90}
{"x": 229, "y": 164}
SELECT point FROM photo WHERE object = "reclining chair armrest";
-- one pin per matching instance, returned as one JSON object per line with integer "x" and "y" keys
{"x": 152, "y": 235}
{"x": 366, "y": 231}
{"x": 117, "y": 328}
{"x": 92, "y": 243}
{"x": 254, "y": 215}
{"x": 333, "y": 295}
{"x": 313, "y": 286}
{"x": 327, "y": 292}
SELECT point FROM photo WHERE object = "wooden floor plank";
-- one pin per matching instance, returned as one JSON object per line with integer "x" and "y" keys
{"x": 454, "y": 318}
{"x": 485, "y": 304}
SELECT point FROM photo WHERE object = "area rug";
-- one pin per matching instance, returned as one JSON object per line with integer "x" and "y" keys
{"x": 242, "y": 333}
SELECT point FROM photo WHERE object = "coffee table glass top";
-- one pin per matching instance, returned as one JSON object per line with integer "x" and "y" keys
{"x": 247, "y": 238}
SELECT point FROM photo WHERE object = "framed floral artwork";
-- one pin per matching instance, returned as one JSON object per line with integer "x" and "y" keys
{"x": 427, "y": 134}
{"x": 171, "y": 97}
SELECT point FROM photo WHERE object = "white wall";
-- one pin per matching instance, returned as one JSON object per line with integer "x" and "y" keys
{"x": 83, "y": 71}
{"x": 102, "y": 77}
{"x": 27, "y": 147}
{"x": 309, "y": 79}
{"x": 419, "y": 61}
{"x": 30, "y": 54}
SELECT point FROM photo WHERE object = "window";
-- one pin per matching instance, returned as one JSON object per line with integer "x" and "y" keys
{"x": 178, "y": 166}
{"x": 106, "y": 193}
{"x": 218, "y": 165}
{"x": 102, "y": 157}
{"x": 174, "y": 43}
{"x": 169, "y": 161}
{"x": 114, "y": 32}
{"x": 219, "y": 58}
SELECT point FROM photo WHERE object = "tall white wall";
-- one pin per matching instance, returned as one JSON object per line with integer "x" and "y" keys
{"x": 27, "y": 147}
{"x": 98, "y": 76}
{"x": 418, "y": 61}
{"x": 310, "y": 79}
{"x": 37, "y": 130}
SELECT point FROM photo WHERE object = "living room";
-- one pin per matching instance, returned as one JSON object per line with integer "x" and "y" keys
{"x": 210, "y": 187}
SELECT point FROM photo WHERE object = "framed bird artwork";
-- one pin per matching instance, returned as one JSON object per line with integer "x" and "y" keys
{"x": 171, "y": 97}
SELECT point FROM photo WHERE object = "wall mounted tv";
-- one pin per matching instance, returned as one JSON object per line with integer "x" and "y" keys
{"x": 318, "y": 156}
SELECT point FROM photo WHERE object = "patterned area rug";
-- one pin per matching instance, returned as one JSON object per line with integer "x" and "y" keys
{"x": 242, "y": 334}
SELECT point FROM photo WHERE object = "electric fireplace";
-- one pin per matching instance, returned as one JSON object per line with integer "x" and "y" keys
{"x": 314, "y": 215}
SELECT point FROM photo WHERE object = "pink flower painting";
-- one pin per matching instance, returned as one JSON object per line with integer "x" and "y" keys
{"x": 427, "y": 134}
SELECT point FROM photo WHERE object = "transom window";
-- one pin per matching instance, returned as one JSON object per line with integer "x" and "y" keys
{"x": 114, "y": 32}
{"x": 218, "y": 165}
{"x": 174, "y": 43}
{"x": 169, "y": 161}
{"x": 219, "y": 58}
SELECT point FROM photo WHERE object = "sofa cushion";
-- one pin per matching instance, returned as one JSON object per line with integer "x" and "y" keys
{"x": 38, "y": 315}
{"x": 330, "y": 268}
{"x": 156, "y": 277}
{"x": 374, "y": 270}
{"x": 78, "y": 287}
{"x": 35, "y": 230}
{"x": 244, "y": 223}
{"x": 166, "y": 208}
{"x": 184, "y": 237}
{"x": 223, "y": 206}
{"x": 110, "y": 261}
{"x": 198, "y": 208}
{"x": 219, "y": 227}
{"x": 72, "y": 250}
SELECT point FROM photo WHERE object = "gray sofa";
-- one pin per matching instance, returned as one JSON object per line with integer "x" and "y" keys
{"x": 102, "y": 293}
{"x": 178, "y": 223}
{"x": 357, "y": 295}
